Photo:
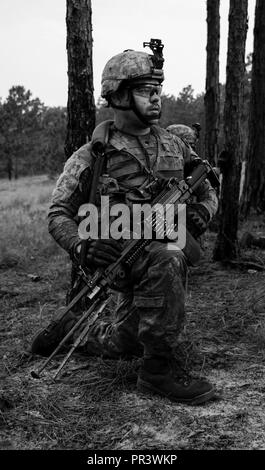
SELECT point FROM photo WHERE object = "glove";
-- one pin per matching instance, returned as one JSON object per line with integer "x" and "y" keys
{"x": 198, "y": 218}
{"x": 102, "y": 253}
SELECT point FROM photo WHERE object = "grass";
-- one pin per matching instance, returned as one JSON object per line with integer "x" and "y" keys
{"x": 94, "y": 403}
{"x": 23, "y": 206}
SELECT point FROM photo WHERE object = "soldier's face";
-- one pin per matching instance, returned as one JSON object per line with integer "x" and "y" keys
{"x": 147, "y": 99}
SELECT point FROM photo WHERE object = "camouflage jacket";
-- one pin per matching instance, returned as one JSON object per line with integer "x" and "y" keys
{"x": 131, "y": 163}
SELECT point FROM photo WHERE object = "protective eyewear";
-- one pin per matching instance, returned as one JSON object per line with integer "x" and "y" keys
{"x": 147, "y": 90}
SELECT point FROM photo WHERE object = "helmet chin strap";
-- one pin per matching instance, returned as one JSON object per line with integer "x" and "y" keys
{"x": 136, "y": 111}
{"x": 132, "y": 107}
{"x": 122, "y": 108}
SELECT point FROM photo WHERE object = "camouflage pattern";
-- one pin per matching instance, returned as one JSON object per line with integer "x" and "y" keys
{"x": 128, "y": 65}
{"x": 150, "y": 314}
{"x": 184, "y": 132}
{"x": 70, "y": 192}
{"x": 128, "y": 172}
{"x": 69, "y": 180}
{"x": 127, "y": 162}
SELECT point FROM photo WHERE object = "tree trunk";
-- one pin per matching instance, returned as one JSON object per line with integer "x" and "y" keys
{"x": 254, "y": 187}
{"x": 212, "y": 93}
{"x": 81, "y": 104}
{"x": 227, "y": 244}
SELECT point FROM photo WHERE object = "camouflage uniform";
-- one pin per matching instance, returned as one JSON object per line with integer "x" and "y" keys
{"x": 150, "y": 311}
{"x": 184, "y": 132}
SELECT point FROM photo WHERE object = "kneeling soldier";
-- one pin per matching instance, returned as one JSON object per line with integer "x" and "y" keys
{"x": 150, "y": 312}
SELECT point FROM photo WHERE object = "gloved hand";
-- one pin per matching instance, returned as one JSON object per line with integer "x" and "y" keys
{"x": 197, "y": 219}
{"x": 102, "y": 253}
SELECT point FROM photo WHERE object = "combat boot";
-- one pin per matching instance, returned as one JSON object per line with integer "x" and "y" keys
{"x": 47, "y": 340}
{"x": 98, "y": 341}
{"x": 156, "y": 376}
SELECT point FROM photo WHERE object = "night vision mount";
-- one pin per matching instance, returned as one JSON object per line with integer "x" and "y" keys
{"x": 156, "y": 47}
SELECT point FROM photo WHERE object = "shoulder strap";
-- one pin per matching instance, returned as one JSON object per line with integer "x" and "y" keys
{"x": 99, "y": 142}
{"x": 100, "y": 136}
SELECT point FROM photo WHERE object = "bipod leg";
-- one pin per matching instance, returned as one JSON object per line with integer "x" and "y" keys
{"x": 82, "y": 335}
{"x": 36, "y": 374}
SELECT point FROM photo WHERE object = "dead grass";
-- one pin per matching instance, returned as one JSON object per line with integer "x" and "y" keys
{"x": 94, "y": 404}
{"x": 23, "y": 206}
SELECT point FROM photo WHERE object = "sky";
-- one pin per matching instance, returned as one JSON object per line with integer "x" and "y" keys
{"x": 33, "y": 42}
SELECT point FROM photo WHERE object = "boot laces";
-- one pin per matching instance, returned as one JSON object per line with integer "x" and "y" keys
{"x": 180, "y": 373}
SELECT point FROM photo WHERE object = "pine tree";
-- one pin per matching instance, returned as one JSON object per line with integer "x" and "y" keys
{"x": 212, "y": 94}
{"x": 227, "y": 244}
{"x": 81, "y": 106}
{"x": 254, "y": 187}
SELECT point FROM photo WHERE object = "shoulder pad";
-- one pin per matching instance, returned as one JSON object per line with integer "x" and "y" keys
{"x": 100, "y": 135}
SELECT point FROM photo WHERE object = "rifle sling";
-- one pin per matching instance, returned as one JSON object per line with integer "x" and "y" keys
{"x": 99, "y": 141}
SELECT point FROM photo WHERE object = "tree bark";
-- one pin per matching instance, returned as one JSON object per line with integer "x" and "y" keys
{"x": 212, "y": 93}
{"x": 227, "y": 243}
{"x": 81, "y": 105}
{"x": 254, "y": 187}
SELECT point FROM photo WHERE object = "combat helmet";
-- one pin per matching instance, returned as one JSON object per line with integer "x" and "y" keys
{"x": 131, "y": 65}
{"x": 189, "y": 134}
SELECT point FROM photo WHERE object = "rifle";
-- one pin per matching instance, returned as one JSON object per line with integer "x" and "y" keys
{"x": 96, "y": 287}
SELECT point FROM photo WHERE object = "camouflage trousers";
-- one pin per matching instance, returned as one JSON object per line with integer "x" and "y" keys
{"x": 150, "y": 315}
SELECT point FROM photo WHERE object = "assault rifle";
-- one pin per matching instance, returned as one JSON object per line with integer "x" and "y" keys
{"x": 96, "y": 288}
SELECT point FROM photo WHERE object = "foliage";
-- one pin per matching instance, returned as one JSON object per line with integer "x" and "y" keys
{"x": 19, "y": 116}
{"x": 53, "y": 125}
{"x": 31, "y": 136}
{"x": 185, "y": 109}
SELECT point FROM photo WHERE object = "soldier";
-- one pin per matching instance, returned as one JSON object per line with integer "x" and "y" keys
{"x": 189, "y": 134}
{"x": 150, "y": 312}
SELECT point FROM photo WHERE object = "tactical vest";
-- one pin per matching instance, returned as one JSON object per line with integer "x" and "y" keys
{"x": 133, "y": 162}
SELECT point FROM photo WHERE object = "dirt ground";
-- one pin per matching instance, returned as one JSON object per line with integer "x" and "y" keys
{"x": 95, "y": 405}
